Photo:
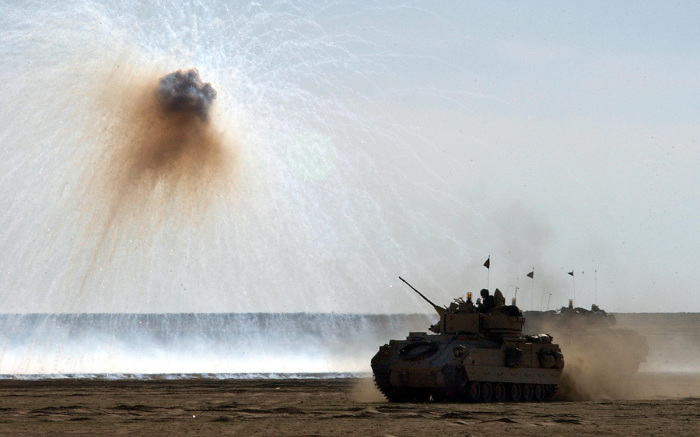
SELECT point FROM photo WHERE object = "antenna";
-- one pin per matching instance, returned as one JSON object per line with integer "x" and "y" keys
{"x": 595, "y": 282}
{"x": 543, "y": 295}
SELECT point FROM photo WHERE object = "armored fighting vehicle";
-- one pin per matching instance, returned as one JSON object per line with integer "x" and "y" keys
{"x": 472, "y": 355}
{"x": 591, "y": 337}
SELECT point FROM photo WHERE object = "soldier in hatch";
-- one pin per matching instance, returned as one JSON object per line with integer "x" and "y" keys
{"x": 487, "y": 302}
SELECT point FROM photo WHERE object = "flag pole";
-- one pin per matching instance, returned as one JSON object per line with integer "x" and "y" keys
{"x": 532, "y": 290}
{"x": 595, "y": 282}
{"x": 573, "y": 282}
{"x": 487, "y": 264}
{"x": 531, "y": 275}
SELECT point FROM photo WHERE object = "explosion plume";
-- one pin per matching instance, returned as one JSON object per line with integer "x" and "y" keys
{"x": 164, "y": 154}
{"x": 162, "y": 162}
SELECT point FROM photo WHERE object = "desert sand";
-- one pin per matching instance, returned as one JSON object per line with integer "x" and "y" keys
{"x": 325, "y": 407}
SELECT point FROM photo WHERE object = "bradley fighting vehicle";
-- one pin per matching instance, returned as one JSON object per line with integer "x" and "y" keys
{"x": 472, "y": 356}
{"x": 592, "y": 338}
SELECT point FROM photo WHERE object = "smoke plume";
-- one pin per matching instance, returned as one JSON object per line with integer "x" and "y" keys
{"x": 184, "y": 91}
{"x": 163, "y": 153}
{"x": 161, "y": 162}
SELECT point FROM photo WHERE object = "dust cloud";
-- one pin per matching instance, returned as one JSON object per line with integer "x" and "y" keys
{"x": 364, "y": 390}
{"x": 637, "y": 359}
{"x": 599, "y": 365}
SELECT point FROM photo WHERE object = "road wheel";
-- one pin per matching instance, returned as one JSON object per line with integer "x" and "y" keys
{"x": 528, "y": 392}
{"x": 486, "y": 391}
{"x": 539, "y": 393}
{"x": 499, "y": 392}
{"x": 516, "y": 392}
{"x": 473, "y": 391}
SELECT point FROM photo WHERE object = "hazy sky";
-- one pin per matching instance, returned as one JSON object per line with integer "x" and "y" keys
{"x": 561, "y": 136}
{"x": 376, "y": 140}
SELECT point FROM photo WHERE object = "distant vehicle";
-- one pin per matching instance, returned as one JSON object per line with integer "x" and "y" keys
{"x": 474, "y": 355}
{"x": 592, "y": 337}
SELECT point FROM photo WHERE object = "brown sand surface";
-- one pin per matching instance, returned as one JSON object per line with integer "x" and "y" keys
{"x": 324, "y": 407}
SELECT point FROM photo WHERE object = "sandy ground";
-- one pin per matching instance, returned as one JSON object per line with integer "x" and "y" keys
{"x": 324, "y": 407}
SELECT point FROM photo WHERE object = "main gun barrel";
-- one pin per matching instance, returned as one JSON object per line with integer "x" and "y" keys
{"x": 439, "y": 310}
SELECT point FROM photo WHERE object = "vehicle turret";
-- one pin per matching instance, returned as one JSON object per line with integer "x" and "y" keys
{"x": 462, "y": 317}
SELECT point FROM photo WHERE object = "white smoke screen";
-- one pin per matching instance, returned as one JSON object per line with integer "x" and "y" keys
{"x": 271, "y": 212}
{"x": 348, "y": 144}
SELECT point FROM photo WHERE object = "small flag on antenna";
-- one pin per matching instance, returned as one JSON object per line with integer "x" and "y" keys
{"x": 487, "y": 264}
{"x": 571, "y": 273}
{"x": 531, "y": 274}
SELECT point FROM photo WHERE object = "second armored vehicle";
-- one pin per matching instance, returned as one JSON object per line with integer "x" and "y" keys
{"x": 474, "y": 355}
{"x": 592, "y": 338}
